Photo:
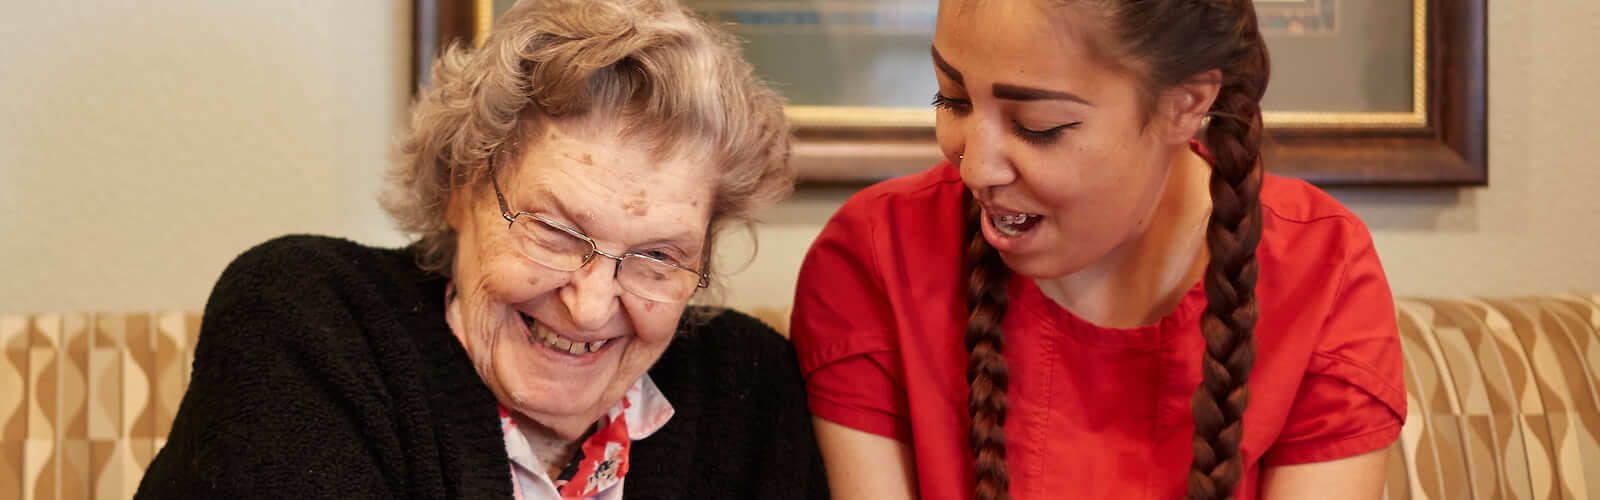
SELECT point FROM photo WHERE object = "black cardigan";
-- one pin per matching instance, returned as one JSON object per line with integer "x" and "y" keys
{"x": 325, "y": 369}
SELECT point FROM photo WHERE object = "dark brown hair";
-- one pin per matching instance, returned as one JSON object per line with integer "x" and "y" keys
{"x": 1165, "y": 43}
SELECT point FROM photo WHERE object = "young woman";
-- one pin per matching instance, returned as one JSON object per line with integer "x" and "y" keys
{"x": 1100, "y": 294}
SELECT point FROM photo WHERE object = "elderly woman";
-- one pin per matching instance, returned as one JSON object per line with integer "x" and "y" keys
{"x": 566, "y": 183}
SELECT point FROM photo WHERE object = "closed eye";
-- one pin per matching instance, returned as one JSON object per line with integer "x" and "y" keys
{"x": 658, "y": 255}
{"x": 958, "y": 106}
{"x": 1041, "y": 137}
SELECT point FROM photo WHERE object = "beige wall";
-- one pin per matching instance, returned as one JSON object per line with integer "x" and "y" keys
{"x": 142, "y": 147}
{"x": 144, "y": 144}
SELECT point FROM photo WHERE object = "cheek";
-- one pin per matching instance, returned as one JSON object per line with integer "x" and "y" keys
{"x": 1122, "y": 197}
{"x": 1064, "y": 178}
{"x": 509, "y": 278}
{"x": 1087, "y": 189}
{"x": 948, "y": 136}
{"x": 653, "y": 321}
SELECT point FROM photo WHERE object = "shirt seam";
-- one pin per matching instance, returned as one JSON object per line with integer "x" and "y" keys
{"x": 1387, "y": 388}
{"x": 1162, "y": 372}
{"x": 1302, "y": 220}
{"x": 1037, "y": 470}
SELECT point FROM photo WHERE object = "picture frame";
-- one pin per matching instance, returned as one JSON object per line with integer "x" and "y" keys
{"x": 1432, "y": 131}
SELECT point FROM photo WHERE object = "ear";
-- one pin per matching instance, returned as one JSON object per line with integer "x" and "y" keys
{"x": 458, "y": 208}
{"x": 1186, "y": 105}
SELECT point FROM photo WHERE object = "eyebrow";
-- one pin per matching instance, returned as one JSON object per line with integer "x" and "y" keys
{"x": 949, "y": 71}
{"x": 545, "y": 202}
{"x": 684, "y": 240}
{"x": 1008, "y": 91}
{"x": 1020, "y": 93}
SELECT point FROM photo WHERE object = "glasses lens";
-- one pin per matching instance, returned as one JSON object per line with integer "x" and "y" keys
{"x": 548, "y": 245}
{"x": 657, "y": 281}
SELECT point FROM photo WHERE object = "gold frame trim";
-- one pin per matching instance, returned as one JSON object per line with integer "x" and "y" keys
{"x": 859, "y": 116}
{"x": 863, "y": 116}
{"x": 1416, "y": 118}
{"x": 483, "y": 22}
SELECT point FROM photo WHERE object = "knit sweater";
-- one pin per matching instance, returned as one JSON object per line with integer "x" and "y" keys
{"x": 325, "y": 369}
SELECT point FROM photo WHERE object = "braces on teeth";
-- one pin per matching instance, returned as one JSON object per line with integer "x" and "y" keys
{"x": 1012, "y": 225}
{"x": 1014, "y": 219}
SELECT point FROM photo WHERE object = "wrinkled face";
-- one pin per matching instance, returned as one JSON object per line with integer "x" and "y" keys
{"x": 520, "y": 320}
{"x": 1055, "y": 142}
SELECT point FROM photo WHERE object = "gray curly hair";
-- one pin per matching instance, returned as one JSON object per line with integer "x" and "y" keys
{"x": 675, "y": 82}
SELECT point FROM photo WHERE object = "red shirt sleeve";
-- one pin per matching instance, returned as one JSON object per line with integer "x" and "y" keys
{"x": 843, "y": 330}
{"x": 851, "y": 392}
{"x": 1352, "y": 399}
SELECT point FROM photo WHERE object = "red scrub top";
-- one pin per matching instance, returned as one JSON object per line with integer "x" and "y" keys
{"x": 1094, "y": 412}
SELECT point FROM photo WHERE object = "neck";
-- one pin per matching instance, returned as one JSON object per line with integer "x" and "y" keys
{"x": 552, "y": 451}
{"x": 1144, "y": 278}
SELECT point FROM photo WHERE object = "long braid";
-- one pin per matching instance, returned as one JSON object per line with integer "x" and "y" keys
{"x": 1234, "y": 139}
{"x": 1172, "y": 41}
{"x": 986, "y": 367}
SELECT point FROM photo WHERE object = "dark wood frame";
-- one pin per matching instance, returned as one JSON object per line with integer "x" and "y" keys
{"x": 434, "y": 25}
{"x": 1451, "y": 149}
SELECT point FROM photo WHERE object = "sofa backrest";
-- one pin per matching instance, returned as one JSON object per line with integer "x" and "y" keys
{"x": 1503, "y": 398}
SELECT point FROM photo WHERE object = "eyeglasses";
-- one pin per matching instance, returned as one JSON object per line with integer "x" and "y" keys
{"x": 562, "y": 248}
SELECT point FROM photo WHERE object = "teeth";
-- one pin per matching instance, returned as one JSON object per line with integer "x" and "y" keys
{"x": 1011, "y": 225}
{"x": 1014, "y": 219}
{"x": 537, "y": 333}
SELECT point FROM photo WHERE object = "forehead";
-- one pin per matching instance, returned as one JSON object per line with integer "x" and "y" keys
{"x": 600, "y": 180}
{"x": 1025, "y": 42}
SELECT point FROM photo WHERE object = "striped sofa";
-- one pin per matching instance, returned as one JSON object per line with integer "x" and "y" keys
{"x": 1503, "y": 399}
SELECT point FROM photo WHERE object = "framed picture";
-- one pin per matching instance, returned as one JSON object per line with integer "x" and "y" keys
{"x": 1363, "y": 92}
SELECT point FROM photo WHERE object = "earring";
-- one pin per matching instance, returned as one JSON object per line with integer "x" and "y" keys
{"x": 961, "y": 157}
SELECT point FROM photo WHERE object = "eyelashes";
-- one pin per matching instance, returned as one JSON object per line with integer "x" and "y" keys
{"x": 962, "y": 107}
{"x": 1042, "y": 137}
{"x": 958, "y": 106}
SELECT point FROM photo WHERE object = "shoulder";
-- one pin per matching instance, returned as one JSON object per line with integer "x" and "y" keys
{"x": 1297, "y": 201}
{"x": 294, "y": 263}
{"x": 1305, "y": 227}
{"x": 933, "y": 189}
{"x": 1316, "y": 255}
{"x": 739, "y": 341}
{"x": 302, "y": 254}
{"x": 298, "y": 289}
{"x": 729, "y": 355}
{"x": 872, "y": 262}
{"x": 916, "y": 217}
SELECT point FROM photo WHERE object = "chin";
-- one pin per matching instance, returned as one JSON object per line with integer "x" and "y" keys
{"x": 565, "y": 411}
{"x": 1042, "y": 265}
{"x": 536, "y": 393}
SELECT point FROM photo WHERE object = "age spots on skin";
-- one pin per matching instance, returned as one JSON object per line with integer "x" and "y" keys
{"x": 637, "y": 207}
{"x": 586, "y": 159}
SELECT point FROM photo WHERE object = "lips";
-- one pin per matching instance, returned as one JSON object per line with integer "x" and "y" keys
{"x": 538, "y": 334}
